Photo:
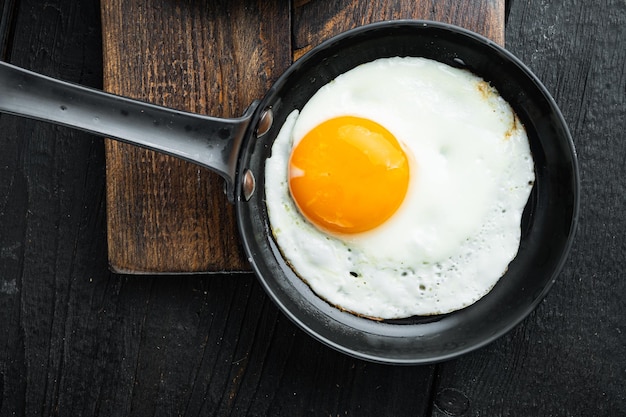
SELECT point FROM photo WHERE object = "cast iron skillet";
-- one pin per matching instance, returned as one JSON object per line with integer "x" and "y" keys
{"x": 237, "y": 149}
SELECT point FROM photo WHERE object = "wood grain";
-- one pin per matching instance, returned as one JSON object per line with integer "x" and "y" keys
{"x": 575, "y": 342}
{"x": 314, "y": 23}
{"x": 44, "y": 171}
{"x": 168, "y": 216}
{"x": 77, "y": 340}
{"x": 7, "y": 13}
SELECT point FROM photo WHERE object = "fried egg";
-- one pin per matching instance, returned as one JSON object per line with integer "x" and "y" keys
{"x": 398, "y": 189}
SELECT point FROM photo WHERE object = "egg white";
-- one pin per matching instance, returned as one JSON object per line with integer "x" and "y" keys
{"x": 459, "y": 225}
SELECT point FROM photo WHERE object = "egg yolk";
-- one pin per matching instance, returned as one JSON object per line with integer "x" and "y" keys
{"x": 348, "y": 175}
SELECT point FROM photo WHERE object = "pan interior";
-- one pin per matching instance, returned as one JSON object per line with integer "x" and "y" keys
{"x": 547, "y": 226}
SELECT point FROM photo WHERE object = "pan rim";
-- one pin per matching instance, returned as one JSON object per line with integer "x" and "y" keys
{"x": 259, "y": 269}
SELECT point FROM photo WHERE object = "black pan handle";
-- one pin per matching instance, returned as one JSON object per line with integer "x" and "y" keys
{"x": 210, "y": 142}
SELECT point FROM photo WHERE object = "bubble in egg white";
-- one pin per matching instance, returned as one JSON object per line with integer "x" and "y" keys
{"x": 459, "y": 225}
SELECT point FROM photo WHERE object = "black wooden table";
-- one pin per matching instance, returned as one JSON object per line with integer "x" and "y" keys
{"x": 76, "y": 339}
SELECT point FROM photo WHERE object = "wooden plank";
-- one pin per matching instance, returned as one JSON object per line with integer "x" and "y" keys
{"x": 51, "y": 203}
{"x": 7, "y": 14}
{"x": 77, "y": 340}
{"x": 569, "y": 357}
{"x": 166, "y": 215}
{"x": 314, "y": 22}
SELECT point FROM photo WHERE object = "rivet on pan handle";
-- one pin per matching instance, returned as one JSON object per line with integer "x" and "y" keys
{"x": 265, "y": 122}
{"x": 263, "y": 126}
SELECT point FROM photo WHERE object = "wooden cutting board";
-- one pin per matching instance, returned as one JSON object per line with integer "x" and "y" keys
{"x": 216, "y": 57}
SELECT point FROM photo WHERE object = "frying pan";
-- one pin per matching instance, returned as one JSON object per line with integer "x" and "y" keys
{"x": 238, "y": 148}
